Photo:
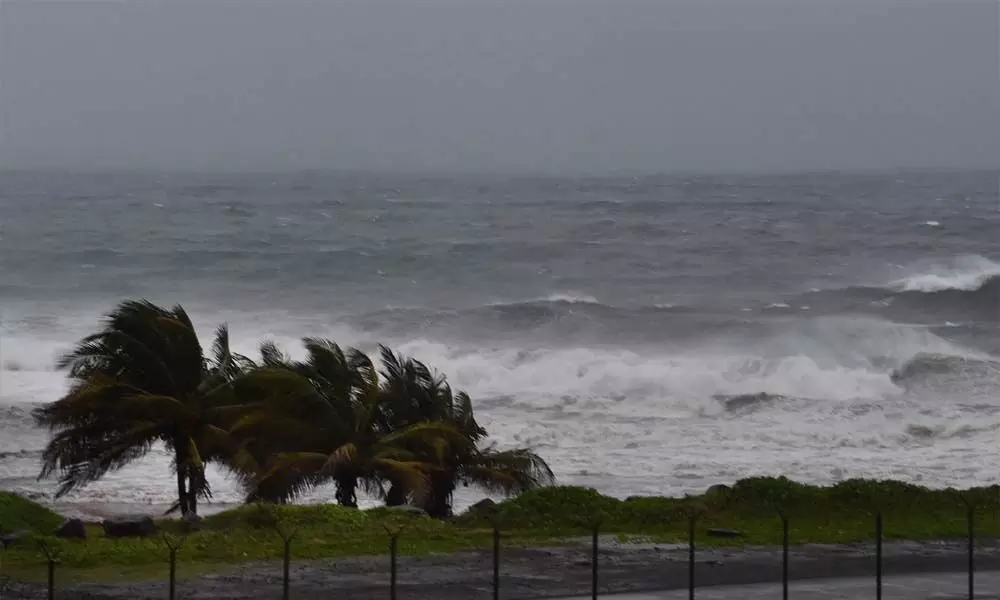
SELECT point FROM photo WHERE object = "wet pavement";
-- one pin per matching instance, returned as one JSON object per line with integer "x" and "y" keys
{"x": 938, "y": 586}
{"x": 914, "y": 571}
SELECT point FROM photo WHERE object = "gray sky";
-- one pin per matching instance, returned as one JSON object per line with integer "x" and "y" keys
{"x": 506, "y": 85}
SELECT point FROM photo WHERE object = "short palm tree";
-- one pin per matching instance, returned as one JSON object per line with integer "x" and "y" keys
{"x": 413, "y": 394}
{"x": 141, "y": 380}
{"x": 333, "y": 433}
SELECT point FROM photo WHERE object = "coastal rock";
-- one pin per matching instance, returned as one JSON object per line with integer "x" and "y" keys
{"x": 724, "y": 533}
{"x": 129, "y": 527}
{"x": 483, "y": 508}
{"x": 718, "y": 489}
{"x": 72, "y": 529}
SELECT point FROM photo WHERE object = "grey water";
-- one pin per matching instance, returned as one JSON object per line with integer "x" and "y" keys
{"x": 606, "y": 321}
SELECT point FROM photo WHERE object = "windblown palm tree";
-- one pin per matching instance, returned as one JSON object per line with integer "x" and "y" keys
{"x": 282, "y": 426}
{"x": 335, "y": 433}
{"x": 414, "y": 394}
{"x": 141, "y": 380}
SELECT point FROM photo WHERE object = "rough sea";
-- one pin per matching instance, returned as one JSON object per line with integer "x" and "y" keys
{"x": 647, "y": 335}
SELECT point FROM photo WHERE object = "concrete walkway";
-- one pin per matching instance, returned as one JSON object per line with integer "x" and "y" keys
{"x": 939, "y": 586}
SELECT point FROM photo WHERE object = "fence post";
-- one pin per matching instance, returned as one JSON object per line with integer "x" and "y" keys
{"x": 277, "y": 521}
{"x": 286, "y": 539}
{"x": 878, "y": 555}
{"x": 285, "y": 569}
{"x": 173, "y": 574}
{"x": 51, "y": 555}
{"x": 52, "y": 579}
{"x": 393, "y": 552}
{"x": 972, "y": 552}
{"x": 596, "y": 528}
{"x": 496, "y": 561}
{"x": 784, "y": 556}
{"x": 692, "y": 521}
{"x": 173, "y": 544}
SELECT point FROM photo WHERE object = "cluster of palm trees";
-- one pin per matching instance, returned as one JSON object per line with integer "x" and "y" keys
{"x": 281, "y": 426}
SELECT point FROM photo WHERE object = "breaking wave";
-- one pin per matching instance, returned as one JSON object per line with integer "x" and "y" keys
{"x": 927, "y": 365}
{"x": 970, "y": 291}
{"x": 747, "y": 402}
{"x": 967, "y": 274}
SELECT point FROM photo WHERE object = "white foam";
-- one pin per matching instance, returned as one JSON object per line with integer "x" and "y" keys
{"x": 965, "y": 273}
{"x": 626, "y": 420}
{"x": 571, "y": 298}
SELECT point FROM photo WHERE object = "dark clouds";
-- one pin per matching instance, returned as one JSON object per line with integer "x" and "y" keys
{"x": 512, "y": 85}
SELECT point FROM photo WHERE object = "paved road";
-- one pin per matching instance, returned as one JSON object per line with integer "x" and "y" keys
{"x": 939, "y": 586}
{"x": 915, "y": 571}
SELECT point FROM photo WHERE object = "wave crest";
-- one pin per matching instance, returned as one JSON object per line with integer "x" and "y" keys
{"x": 971, "y": 291}
{"x": 927, "y": 365}
{"x": 967, "y": 274}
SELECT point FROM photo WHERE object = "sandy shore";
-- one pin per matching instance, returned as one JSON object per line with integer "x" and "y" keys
{"x": 545, "y": 572}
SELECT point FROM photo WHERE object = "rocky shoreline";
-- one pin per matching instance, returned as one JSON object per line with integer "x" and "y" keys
{"x": 541, "y": 572}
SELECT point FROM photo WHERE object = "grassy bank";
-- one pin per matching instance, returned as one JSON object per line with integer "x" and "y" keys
{"x": 840, "y": 513}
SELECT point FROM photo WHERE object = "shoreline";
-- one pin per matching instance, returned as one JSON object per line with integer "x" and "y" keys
{"x": 549, "y": 572}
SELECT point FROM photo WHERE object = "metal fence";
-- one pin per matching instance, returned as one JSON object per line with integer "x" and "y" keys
{"x": 173, "y": 544}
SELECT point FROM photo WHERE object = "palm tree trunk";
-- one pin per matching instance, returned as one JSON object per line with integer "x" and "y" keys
{"x": 192, "y": 503}
{"x": 182, "y": 490}
{"x": 396, "y": 496}
{"x": 196, "y": 487}
{"x": 184, "y": 483}
{"x": 346, "y": 491}
{"x": 438, "y": 503}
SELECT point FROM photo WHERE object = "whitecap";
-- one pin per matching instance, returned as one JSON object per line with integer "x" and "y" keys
{"x": 570, "y": 298}
{"x": 965, "y": 274}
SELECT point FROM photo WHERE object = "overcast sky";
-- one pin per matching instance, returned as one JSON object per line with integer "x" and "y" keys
{"x": 505, "y": 85}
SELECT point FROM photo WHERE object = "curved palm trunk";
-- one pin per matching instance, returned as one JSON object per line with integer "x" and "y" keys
{"x": 186, "y": 486}
{"x": 347, "y": 491}
{"x": 182, "y": 491}
{"x": 438, "y": 502}
{"x": 192, "y": 496}
{"x": 396, "y": 496}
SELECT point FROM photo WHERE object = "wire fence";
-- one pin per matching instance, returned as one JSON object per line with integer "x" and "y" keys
{"x": 173, "y": 543}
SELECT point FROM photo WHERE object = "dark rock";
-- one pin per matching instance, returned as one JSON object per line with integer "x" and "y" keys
{"x": 724, "y": 533}
{"x": 719, "y": 489}
{"x": 129, "y": 527}
{"x": 10, "y": 538}
{"x": 72, "y": 529}
{"x": 483, "y": 508}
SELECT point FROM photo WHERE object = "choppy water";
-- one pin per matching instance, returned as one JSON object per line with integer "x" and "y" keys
{"x": 606, "y": 322}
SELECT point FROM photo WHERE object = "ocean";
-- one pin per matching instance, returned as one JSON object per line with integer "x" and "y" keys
{"x": 646, "y": 335}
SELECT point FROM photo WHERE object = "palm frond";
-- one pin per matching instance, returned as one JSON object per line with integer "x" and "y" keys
{"x": 272, "y": 356}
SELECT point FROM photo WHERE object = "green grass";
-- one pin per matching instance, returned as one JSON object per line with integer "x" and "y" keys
{"x": 17, "y": 513}
{"x": 841, "y": 513}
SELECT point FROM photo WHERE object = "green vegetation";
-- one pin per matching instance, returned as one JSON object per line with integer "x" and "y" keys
{"x": 18, "y": 513}
{"x": 546, "y": 516}
{"x": 281, "y": 426}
